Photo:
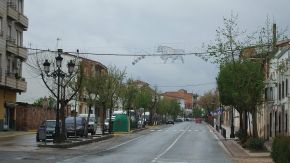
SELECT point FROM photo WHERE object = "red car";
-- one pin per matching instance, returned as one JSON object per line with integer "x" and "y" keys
{"x": 198, "y": 120}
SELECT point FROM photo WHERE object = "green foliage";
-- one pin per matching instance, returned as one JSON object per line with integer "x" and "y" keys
{"x": 169, "y": 107}
{"x": 255, "y": 144}
{"x": 281, "y": 149}
{"x": 198, "y": 112}
{"x": 143, "y": 98}
{"x": 51, "y": 102}
{"x": 242, "y": 135}
{"x": 128, "y": 93}
{"x": 240, "y": 84}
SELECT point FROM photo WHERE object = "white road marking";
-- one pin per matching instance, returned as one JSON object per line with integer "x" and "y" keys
{"x": 189, "y": 130}
{"x": 174, "y": 130}
{"x": 195, "y": 130}
{"x": 116, "y": 146}
{"x": 219, "y": 142}
{"x": 152, "y": 130}
{"x": 159, "y": 130}
{"x": 181, "y": 130}
{"x": 168, "y": 148}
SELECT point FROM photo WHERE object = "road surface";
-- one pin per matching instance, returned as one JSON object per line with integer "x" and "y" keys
{"x": 184, "y": 142}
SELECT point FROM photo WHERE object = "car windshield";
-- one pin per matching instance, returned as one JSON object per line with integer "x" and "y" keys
{"x": 71, "y": 120}
{"x": 92, "y": 119}
{"x": 50, "y": 124}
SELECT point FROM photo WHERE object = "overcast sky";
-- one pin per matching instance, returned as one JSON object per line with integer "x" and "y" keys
{"x": 140, "y": 26}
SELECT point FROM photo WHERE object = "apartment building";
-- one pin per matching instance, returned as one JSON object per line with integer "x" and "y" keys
{"x": 12, "y": 25}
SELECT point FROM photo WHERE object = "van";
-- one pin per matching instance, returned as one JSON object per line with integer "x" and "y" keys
{"x": 92, "y": 125}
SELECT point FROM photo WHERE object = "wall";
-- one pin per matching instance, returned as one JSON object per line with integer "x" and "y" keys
{"x": 29, "y": 118}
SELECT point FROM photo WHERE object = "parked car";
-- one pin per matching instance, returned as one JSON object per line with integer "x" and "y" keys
{"x": 49, "y": 127}
{"x": 198, "y": 120}
{"x": 179, "y": 120}
{"x": 106, "y": 126}
{"x": 80, "y": 126}
{"x": 170, "y": 121}
{"x": 92, "y": 126}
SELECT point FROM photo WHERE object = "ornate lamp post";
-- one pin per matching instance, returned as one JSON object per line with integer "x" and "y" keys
{"x": 58, "y": 74}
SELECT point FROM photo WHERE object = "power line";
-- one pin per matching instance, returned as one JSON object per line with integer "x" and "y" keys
{"x": 116, "y": 54}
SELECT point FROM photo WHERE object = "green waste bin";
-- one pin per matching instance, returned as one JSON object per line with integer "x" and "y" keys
{"x": 121, "y": 123}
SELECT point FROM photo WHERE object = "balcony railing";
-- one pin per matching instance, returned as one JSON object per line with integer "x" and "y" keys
{"x": 10, "y": 81}
{"x": 16, "y": 15}
{"x": 17, "y": 50}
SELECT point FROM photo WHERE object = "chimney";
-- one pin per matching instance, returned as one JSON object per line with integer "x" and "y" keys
{"x": 274, "y": 37}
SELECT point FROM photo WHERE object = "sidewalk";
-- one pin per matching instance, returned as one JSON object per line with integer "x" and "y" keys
{"x": 239, "y": 154}
{"x": 7, "y": 134}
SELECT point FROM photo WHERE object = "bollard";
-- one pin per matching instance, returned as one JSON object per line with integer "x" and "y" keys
{"x": 224, "y": 133}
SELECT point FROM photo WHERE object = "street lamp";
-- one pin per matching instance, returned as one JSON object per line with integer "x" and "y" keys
{"x": 59, "y": 74}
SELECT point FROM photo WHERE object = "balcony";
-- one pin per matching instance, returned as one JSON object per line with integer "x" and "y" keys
{"x": 16, "y": 15}
{"x": 11, "y": 82}
{"x": 23, "y": 20}
{"x": 14, "y": 49}
{"x": 17, "y": 84}
{"x": 11, "y": 11}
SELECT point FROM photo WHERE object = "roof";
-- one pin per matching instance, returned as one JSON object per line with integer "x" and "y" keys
{"x": 86, "y": 59}
{"x": 188, "y": 97}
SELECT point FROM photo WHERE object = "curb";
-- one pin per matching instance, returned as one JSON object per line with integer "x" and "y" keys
{"x": 250, "y": 155}
{"x": 69, "y": 145}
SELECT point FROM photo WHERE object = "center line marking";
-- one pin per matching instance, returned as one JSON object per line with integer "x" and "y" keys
{"x": 168, "y": 148}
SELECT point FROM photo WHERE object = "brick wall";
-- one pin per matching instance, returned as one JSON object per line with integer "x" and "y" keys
{"x": 30, "y": 117}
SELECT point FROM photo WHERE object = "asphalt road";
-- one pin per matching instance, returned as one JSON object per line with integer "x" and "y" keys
{"x": 182, "y": 142}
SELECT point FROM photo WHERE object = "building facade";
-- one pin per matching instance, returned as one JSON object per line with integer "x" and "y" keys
{"x": 12, "y": 54}
{"x": 277, "y": 92}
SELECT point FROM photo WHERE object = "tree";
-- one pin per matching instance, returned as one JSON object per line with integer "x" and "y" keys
{"x": 128, "y": 92}
{"x": 51, "y": 102}
{"x": 113, "y": 83}
{"x": 229, "y": 42}
{"x": 248, "y": 93}
{"x": 209, "y": 101}
{"x": 106, "y": 88}
{"x": 144, "y": 98}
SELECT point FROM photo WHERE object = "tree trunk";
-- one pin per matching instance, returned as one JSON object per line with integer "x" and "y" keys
{"x": 87, "y": 122}
{"x": 246, "y": 123}
{"x": 254, "y": 117}
{"x": 241, "y": 120}
{"x": 103, "y": 120}
{"x": 110, "y": 121}
{"x": 151, "y": 117}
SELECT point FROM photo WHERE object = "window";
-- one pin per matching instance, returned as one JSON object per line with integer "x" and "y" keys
{"x": 19, "y": 38}
{"x": 286, "y": 88}
{"x": 1, "y": 26}
{"x": 8, "y": 65}
{"x": 271, "y": 93}
{"x": 20, "y": 6}
{"x": 279, "y": 91}
{"x": 9, "y": 31}
{"x": 283, "y": 88}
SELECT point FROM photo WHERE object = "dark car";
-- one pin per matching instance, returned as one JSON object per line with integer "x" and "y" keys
{"x": 170, "y": 121}
{"x": 79, "y": 129}
{"x": 47, "y": 126}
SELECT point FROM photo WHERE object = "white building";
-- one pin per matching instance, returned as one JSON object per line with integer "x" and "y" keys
{"x": 277, "y": 92}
